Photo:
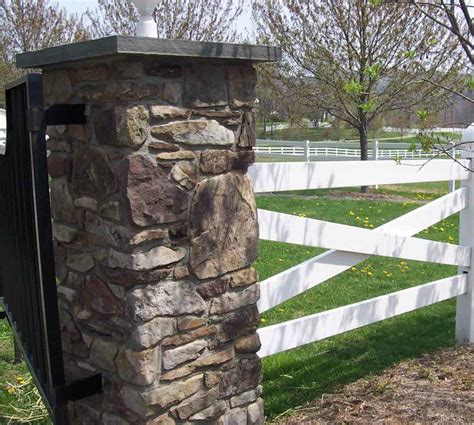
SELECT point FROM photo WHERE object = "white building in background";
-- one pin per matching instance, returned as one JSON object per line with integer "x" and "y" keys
{"x": 3, "y": 131}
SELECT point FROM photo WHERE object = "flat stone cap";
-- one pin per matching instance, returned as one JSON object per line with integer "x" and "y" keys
{"x": 144, "y": 46}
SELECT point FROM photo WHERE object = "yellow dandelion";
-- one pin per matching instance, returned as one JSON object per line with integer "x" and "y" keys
{"x": 351, "y": 213}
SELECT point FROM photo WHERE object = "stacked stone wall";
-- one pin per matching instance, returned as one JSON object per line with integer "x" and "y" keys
{"x": 155, "y": 231}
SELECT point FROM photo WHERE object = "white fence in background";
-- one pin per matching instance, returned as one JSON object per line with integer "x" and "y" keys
{"x": 350, "y": 245}
{"x": 308, "y": 151}
{"x": 3, "y": 131}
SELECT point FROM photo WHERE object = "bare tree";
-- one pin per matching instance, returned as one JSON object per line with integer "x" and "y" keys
{"x": 27, "y": 25}
{"x": 204, "y": 20}
{"x": 357, "y": 60}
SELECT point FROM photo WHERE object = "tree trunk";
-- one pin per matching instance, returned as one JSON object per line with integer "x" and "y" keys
{"x": 364, "y": 148}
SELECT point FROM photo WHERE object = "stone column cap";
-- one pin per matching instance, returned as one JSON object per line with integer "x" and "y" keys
{"x": 143, "y": 46}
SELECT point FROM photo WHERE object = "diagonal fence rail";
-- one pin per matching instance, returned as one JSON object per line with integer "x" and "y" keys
{"x": 350, "y": 245}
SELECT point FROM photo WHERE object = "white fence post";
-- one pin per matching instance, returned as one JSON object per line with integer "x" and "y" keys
{"x": 465, "y": 303}
{"x": 306, "y": 151}
{"x": 452, "y": 183}
{"x": 375, "y": 154}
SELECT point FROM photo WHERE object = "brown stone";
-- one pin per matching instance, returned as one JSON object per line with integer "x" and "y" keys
{"x": 163, "y": 146}
{"x": 246, "y": 133}
{"x": 213, "y": 288}
{"x": 165, "y": 71}
{"x": 62, "y": 203}
{"x": 244, "y": 398}
{"x": 66, "y": 234}
{"x": 122, "y": 126}
{"x": 155, "y": 257}
{"x": 255, "y": 413}
{"x": 152, "y": 198}
{"x": 129, "y": 278}
{"x": 224, "y": 238}
{"x": 243, "y": 277}
{"x": 190, "y": 336}
{"x": 246, "y": 375}
{"x": 138, "y": 367}
{"x": 236, "y": 417}
{"x": 77, "y": 131}
{"x": 185, "y": 173}
{"x": 151, "y": 333}
{"x": 179, "y": 155}
{"x": 175, "y": 356}
{"x": 195, "y": 404}
{"x": 96, "y": 73}
{"x": 172, "y": 393}
{"x": 235, "y": 300}
{"x": 99, "y": 297}
{"x": 205, "y": 85}
{"x": 161, "y": 420}
{"x": 120, "y": 90}
{"x": 103, "y": 352}
{"x": 242, "y": 81}
{"x": 181, "y": 271}
{"x": 81, "y": 263}
{"x": 189, "y": 322}
{"x": 59, "y": 166}
{"x": 194, "y": 132}
{"x": 148, "y": 235}
{"x": 111, "y": 210}
{"x": 168, "y": 112}
{"x": 92, "y": 174}
{"x": 211, "y": 379}
{"x": 248, "y": 344}
{"x": 212, "y": 412}
{"x": 86, "y": 202}
{"x": 57, "y": 87}
{"x": 206, "y": 360}
{"x": 221, "y": 161}
{"x": 164, "y": 299}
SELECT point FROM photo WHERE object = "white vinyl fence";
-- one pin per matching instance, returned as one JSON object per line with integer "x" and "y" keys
{"x": 3, "y": 131}
{"x": 311, "y": 151}
{"x": 348, "y": 246}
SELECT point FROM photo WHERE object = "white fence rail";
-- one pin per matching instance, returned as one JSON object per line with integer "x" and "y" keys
{"x": 331, "y": 152}
{"x": 350, "y": 245}
{"x": 3, "y": 131}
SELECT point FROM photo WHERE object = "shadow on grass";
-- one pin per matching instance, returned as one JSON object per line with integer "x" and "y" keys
{"x": 302, "y": 375}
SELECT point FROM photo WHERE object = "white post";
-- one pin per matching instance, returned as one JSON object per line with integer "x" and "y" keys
{"x": 452, "y": 183}
{"x": 146, "y": 25}
{"x": 465, "y": 303}
{"x": 306, "y": 151}
{"x": 375, "y": 154}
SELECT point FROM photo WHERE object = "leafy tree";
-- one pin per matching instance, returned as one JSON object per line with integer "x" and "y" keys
{"x": 203, "y": 20}
{"x": 27, "y": 25}
{"x": 357, "y": 60}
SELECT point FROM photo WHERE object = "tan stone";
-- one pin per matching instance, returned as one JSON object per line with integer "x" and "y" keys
{"x": 243, "y": 277}
{"x": 185, "y": 338}
{"x": 103, "y": 352}
{"x": 224, "y": 238}
{"x": 194, "y": 132}
{"x": 86, "y": 202}
{"x": 211, "y": 412}
{"x": 185, "y": 173}
{"x": 155, "y": 257}
{"x": 195, "y": 404}
{"x": 81, "y": 263}
{"x": 244, "y": 398}
{"x": 111, "y": 210}
{"x": 248, "y": 344}
{"x": 151, "y": 333}
{"x": 168, "y": 112}
{"x": 164, "y": 299}
{"x": 64, "y": 233}
{"x": 98, "y": 296}
{"x": 190, "y": 322}
{"x": 57, "y": 87}
{"x": 181, "y": 271}
{"x": 255, "y": 413}
{"x": 162, "y": 146}
{"x": 173, "y": 156}
{"x": 173, "y": 92}
{"x": 184, "y": 353}
{"x": 161, "y": 420}
{"x": 62, "y": 203}
{"x": 148, "y": 235}
{"x": 246, "y": 133}
{"x": 138, "y": 367}
{"x": 172, "y": 393}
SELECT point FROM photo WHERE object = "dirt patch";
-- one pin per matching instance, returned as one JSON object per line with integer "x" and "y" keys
{"x": 369, "y": 197}
{"x": 437, "y": 388}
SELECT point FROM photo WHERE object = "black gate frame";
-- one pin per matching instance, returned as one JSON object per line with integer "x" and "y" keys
{"x": 28, "y": 292}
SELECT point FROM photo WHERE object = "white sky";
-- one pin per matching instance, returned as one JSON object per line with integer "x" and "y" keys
{"x": 80, "y": 6}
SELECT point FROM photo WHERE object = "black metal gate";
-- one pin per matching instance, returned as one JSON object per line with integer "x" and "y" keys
{"x": 28, "y": 291}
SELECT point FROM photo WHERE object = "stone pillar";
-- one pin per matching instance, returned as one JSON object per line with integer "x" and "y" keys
{"x": 155, "y": 228}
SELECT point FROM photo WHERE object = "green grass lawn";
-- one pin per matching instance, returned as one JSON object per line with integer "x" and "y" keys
{"x": 322, "y": 134}
{"x": 295, "y": 377}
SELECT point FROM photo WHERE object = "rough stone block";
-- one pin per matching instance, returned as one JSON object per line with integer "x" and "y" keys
{"x": 224, "y": 238}
{"x": 98, "y": 296}
{"x": 176, "y": 356}
{"x": 155, "y": 257}
{"x": 205, "y": 85}
{"x": 242, "y": 82}
{"x": 151, "y": 333}
{"x": 138, "y": 367}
